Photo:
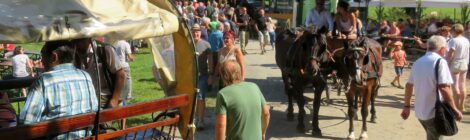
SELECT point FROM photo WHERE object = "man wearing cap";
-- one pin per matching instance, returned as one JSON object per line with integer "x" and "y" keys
{"x": 319, "y": 17}
{"x": 204, "y": 60}
{"x": 457, "y": 58}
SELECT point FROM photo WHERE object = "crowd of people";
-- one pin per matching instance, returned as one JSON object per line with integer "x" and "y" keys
{"x": 241, "y": 110}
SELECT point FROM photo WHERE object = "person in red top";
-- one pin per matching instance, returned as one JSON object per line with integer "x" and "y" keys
{"x": 399, "y": 58}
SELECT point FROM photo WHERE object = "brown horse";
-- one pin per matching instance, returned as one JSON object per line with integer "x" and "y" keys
{"x": 361, "y": 62}
{"x": 299, "y": 54}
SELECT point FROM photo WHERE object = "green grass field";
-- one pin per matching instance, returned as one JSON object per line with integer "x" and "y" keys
{"x": 144, "y": 88}
{"x": 442, "y": 12}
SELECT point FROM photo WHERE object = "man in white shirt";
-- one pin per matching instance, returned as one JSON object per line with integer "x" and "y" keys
{"x": 124, "y": 53}
{"x": 425, "y": 85}
{"x": 319, "y": 17}
{"x": 457, "y": 58}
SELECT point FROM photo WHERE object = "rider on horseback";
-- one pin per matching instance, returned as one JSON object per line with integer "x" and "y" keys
{"x": 319, "y": 17}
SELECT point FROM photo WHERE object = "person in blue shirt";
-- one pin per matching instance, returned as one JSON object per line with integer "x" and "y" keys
{"x": 216, "y": 39}
{"x": 62, "y": 91}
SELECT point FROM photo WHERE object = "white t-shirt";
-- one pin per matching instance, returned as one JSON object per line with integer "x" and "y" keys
{"x": 19, "y": 65}
{"x": 123, "y": 49}
{"x": 460, "y": 45}
{"x": 424, "y": 82}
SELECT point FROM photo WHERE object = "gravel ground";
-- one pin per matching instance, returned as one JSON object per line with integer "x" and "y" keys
{"x": 262, "y": 70}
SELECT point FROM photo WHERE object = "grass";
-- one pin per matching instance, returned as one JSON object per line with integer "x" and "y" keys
{"x": 442, "y": 12}
{"x": 144, "y": 88}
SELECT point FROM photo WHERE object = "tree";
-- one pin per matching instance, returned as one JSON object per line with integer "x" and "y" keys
{"x": 465, "y": 13}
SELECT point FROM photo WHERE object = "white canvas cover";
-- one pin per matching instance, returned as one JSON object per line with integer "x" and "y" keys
{"x": 24, "y": 21}
{"x": 413, "y": 3}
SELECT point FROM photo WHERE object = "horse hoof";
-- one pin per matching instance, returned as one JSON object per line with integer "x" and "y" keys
{"x": 316, "y": 133}
{"x": 290, "y": 117}
{"x": 300, "y": 128}
{"x": 373, "y": 120}
{"x": 364, "y": 136}
{"x": 351, "y": 136}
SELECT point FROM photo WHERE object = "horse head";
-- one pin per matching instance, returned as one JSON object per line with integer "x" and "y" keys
{"x": 314, "y": 46}
{"x": 356, "y": 59}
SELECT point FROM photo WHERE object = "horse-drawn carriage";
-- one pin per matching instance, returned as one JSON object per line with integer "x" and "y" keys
{"x": 154, "y": 21}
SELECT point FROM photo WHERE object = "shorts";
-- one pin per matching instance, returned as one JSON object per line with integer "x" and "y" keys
{"x": 399, "y": 70}
{"x": 458, "y": 66}
{"x": 127, "y": 87}
{"x": 202, "y": 86}
{"x": 263, "y": 37}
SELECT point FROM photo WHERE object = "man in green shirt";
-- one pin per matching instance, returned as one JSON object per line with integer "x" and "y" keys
{"x": 241, "y": 109}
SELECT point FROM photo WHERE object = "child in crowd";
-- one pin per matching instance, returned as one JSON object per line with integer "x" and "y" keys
{"x": 399, "y": 58}
{"x": 271, "y": 27}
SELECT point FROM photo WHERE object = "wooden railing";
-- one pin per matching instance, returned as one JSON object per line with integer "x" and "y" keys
{"x": 68, "y": 124}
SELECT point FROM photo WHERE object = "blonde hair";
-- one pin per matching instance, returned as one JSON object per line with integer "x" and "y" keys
{"x": 230, "y": 72}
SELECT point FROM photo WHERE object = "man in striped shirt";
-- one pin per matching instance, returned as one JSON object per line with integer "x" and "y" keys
{"x": 61, "y": 91}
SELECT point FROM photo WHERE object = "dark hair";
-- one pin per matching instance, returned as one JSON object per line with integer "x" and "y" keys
{"x": 62, "y": 48}
{"x": 343, "y": 4}
{"x": 17, "y": 50}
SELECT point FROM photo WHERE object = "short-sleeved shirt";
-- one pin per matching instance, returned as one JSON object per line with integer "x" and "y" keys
{"x": 203, "y": 49}
{"x": 216, "y": 40}
{"x": 461, "y": 46}
{"x": 123, "y": 49}
{"x": 261, "y": 23}
{"x": 242, "y": 104}
{"x": 399, "y": 58}
{"x": 19, "y": 62}
{"x": 424, "y": 81}
{"x": 243, "y": 19}
{"x": 112, "y": 63}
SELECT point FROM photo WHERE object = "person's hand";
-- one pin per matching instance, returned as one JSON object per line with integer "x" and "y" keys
{"x": 405, "y": 113}
{"x": 113, "y": 103}
{"x": 329, "y": 34}
{"x": 458, "y": 114}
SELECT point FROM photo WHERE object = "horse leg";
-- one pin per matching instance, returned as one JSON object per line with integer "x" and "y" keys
{"x": 290, "y": 106}
{"x": 351, "y": 113}
{"x": 366, "y": 98}
{"x": 356, "y": 102}
{"x": 316, "y": 132}
{"x": 372, "y": 103}
{"x": 300, "y": 103}
{"x": 327, "y": 89}
{"x": 289, "y": 92}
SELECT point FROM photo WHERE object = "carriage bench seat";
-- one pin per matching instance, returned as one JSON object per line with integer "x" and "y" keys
{"x": 66, "y": 124}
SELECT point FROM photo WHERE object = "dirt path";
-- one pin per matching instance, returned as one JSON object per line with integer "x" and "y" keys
{"x": 262, "y": 70}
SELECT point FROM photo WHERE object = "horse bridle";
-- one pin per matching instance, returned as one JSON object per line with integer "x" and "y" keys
{"x": 362, "y": 68}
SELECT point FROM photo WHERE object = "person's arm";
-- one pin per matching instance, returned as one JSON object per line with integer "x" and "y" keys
{"x": 447, "y": 95}
{"x": 29, "y": 64}
{"x": 406, "y": 108}
{"x": 420, "y": 43}
{"x": 265, "y": 118}
{"x": 353, "y": 19}
{"x": 115, "y": 67}
{"x": 241, "y": 61}
{"x": 34, "y": 105}
{"x": 220, "y": 127}
{"x": 130, "y": 57}
{"x": 256, "y": 26}
{"x": 450, "y": 55}
{"x": 392, "y": 53}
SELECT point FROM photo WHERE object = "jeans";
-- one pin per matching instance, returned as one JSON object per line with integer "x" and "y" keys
{"x": 431, "y": 132}
{"x": 272, "y": 38}
{"x": 202, "y": 86}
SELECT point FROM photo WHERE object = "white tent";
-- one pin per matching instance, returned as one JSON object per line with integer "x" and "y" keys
{"x": 43, "y": 20}
{"x": 413, "y": 3}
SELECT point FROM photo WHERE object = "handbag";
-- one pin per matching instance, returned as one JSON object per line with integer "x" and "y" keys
{"x": 444, "y": 118}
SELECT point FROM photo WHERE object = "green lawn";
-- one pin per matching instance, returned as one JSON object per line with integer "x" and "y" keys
{"x": 143, "y": 86}
{"x": 442, "y": 12}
